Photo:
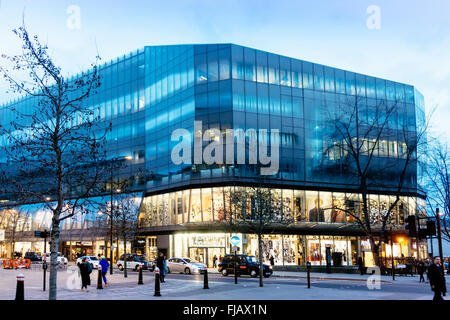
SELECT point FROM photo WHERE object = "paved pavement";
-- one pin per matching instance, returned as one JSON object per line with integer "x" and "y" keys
{"x": 282, "y": 286}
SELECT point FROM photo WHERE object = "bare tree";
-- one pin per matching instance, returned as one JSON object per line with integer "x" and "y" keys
{"x": 119, "y": 216}
{"x": 256, "y": 210}
{"x": 55, "y": 145}
{"x": 358, "y": 148}
{"x": 438, "y": 182}
{"x": 126, "y": 215}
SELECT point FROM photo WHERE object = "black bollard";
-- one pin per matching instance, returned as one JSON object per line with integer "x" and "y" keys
{"x": 205, "y": 279}
{"x": 20, "y": 291}
{"x": 157, "y": 288}
{"x": 99, "y": 280}
{"x": 308, "y": 269}
{"x": 140, "y": 280}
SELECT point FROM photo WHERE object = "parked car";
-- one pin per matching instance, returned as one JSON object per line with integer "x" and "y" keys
{"x": 33, "y": 256}
{"x": 61, "y": 259}
{"x": 133, "y": 261}
{"x": 185, "y": 265}
{"x": 246, "y": 265}
{"x": 93, "y": 260}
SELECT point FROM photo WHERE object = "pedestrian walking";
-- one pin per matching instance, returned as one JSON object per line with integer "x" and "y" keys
{"x": 361, "y": 265}
{"x": 215, "y": 261}
{"x": 165, "y": 269}
{"x": 160, "y": 265}
{"x": 437, "y": 279}
{"x": 427, "y": 264}
{"x": 420, "y": 270}
{"x": 104, "y": 264}
{"x": 85, "y": 271}
{"x": 272, "y": 260}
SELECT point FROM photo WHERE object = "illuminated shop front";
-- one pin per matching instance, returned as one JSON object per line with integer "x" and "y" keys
{"x": 216, "y": 204}
{"x": 212, "y": 207}
{"x": 83, "y": 234}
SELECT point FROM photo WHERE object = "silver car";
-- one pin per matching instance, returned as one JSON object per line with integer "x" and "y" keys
{"x": 185, "y": 265}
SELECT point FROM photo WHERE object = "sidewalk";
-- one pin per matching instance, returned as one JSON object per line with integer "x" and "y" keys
{"x": 339, "y": 276}
{"x": 121, "y": 288}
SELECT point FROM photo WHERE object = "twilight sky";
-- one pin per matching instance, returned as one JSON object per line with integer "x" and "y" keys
{"x": 411, "y": 45}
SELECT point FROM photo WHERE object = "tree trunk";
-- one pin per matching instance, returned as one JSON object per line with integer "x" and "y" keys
{"x": 260, "y": 259}
{"x": 375, "y": 248}
{"x": 125, "y": 257}
{"x": 54, "y": 236}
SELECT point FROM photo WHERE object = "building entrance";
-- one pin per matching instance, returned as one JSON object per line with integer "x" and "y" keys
{"x": 206, "y": 255}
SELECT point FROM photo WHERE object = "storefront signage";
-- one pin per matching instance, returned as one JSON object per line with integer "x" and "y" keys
{"x": 207, "y": 240}
{"x": 235, "y": 240}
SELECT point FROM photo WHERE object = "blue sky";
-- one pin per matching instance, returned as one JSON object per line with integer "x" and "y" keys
{"x": 411, "y": 46}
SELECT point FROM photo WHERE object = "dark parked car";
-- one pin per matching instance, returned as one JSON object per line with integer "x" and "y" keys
{"x": 246, "y": 265}
{"x": 33, "y": 256}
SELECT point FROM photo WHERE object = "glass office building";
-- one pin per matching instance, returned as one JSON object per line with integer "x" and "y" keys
{"x": 150, "y": 93}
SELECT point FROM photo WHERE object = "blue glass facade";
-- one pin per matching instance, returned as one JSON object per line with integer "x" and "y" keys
{"x": 149, "y": 93}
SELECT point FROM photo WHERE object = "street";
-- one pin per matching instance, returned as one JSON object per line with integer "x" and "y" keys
{"x": 281, "y": 286}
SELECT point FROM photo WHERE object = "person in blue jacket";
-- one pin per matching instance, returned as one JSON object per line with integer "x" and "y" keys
{"x": 105, "y": 264}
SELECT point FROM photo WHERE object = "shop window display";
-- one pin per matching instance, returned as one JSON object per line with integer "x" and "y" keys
{"x": 373, "y": 209}
{"x": 402, "y": 210}
{"x": 316, "y": 214}
{"x": 179, "y": 207}
{"x": 338, "y": 215}
{"x": 394, "y": 217}
{"x": 340, "y": 254}
{"x": 154, "y": 211}
{"x": 196, "y": 206}
{"x": 313, "y": 243}
{"x": 325, "y": 242}
{"x": 353, "y": 205}
{"x": 276, "y": 202}
{"x": 290, "y": 249}
{"x": 186, "y": 195}
{"x": 206, "y": 204}
{"x": 218, "y": 204}
{"x": 325, "y": 201}
{"x": 272, "y": 247}
{"x": 299, "y": 205}
{"x": 287, "y": 204}
{"x": 214, "y": 204}
{"x": 384, "y": 207}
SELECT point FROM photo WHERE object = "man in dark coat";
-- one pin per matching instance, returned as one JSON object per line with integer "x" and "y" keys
{"x": 85, "y": 270}
{"x": 437, "y": 279}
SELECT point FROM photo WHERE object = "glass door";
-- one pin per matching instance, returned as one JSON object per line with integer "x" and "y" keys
{"x": 198, "y": 254}
{"x": 218, "y": 253}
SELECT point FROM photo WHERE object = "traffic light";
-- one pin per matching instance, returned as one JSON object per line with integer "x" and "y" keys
{"x": 410, "y": 225}
{"x": 429, "y": 231}
{"x": 431, "y": 228}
